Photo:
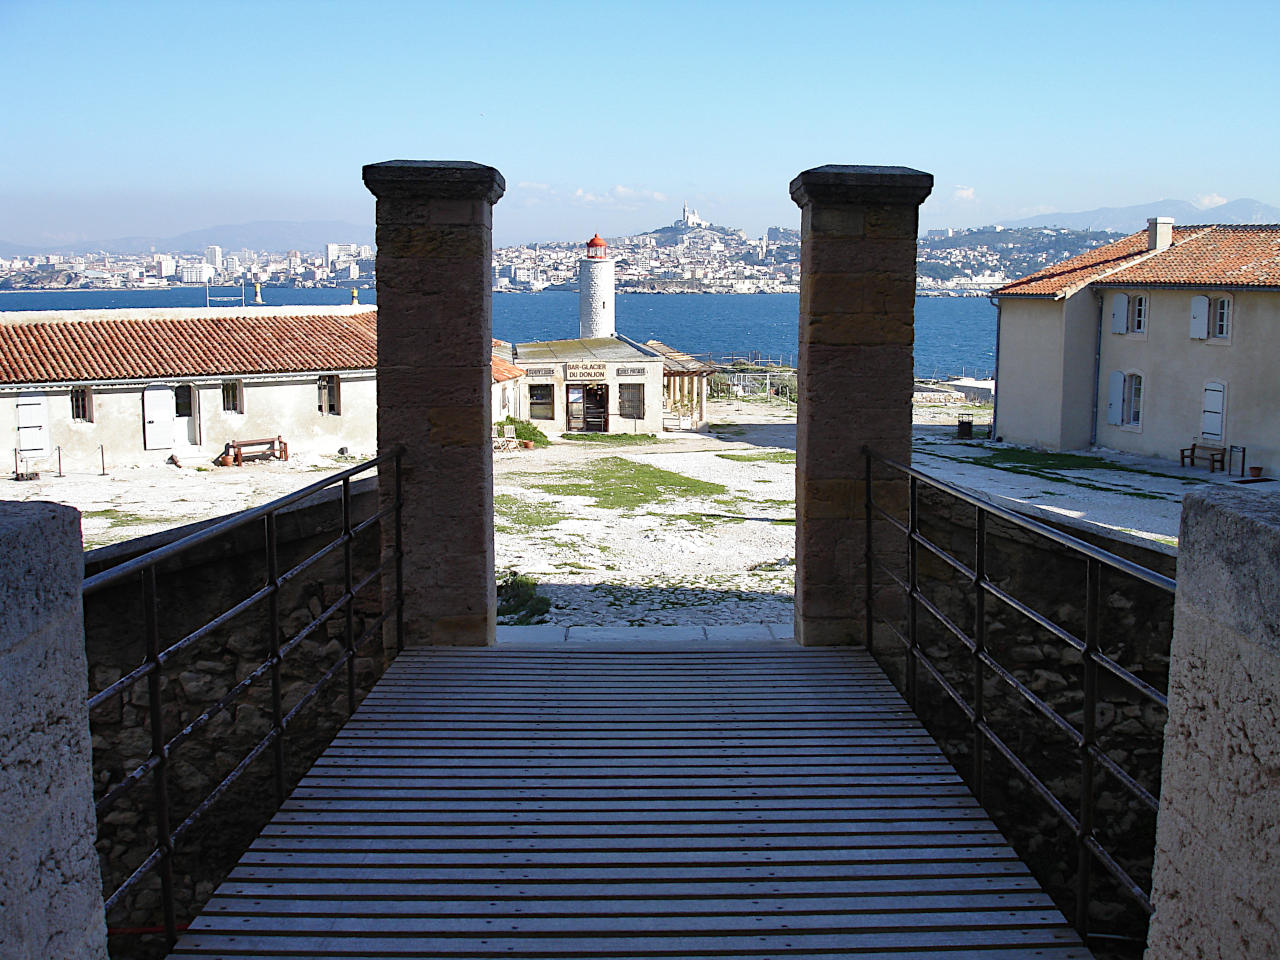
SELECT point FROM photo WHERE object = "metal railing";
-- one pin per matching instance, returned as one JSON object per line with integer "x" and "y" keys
{"x": 166, "y": 742}
{"x": 975, "y": 708}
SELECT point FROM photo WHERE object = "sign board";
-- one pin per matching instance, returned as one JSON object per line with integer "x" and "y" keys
{"x": 540, "y": 371}
{"x": 630, "y": 371}
{"x": 584, "y": 371}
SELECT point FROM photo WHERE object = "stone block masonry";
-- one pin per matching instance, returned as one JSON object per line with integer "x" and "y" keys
{"x": 857, "y": 301}
{"x": 50, "y": 891}
{"x": 435, "y": 251}
{"x": 1217, "y": 870}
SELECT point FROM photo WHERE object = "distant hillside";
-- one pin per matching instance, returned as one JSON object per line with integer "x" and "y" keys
{"x": 1009, "y": 252}
{"x": 1131, "y": 219}
{"x": 272, "y": 235}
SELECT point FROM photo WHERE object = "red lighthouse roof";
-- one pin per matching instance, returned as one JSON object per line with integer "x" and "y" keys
{"x": 596, "y": 242}
{"x": 595, "y": 248}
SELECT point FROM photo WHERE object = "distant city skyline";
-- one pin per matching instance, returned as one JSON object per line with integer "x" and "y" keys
{"x": 124, "y": 120}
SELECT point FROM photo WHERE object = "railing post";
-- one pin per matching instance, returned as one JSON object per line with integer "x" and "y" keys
{"x": 913, "y": 585}
{"x": 160, "y": 775}
{"x": 348, "y": 586}
{"x": 1084, "y": 857}
{"x": 868, "y": 559}
{"x": 979, "y": 648}
{"x": 434, "y": 268}
{"x": 857, "y": 304}
{"x": 273, "y": 652}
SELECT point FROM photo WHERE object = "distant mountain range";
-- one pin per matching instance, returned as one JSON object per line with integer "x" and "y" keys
{"x": 1132, "y": 219}
{"x": 273, "y": 235}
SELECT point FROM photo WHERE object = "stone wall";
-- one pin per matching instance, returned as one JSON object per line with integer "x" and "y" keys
{"x": 1136, "y": 625}
{"x": 50, "y": 895}
{"x": 1217, "y": 879}
{"x": 194, "y": 588}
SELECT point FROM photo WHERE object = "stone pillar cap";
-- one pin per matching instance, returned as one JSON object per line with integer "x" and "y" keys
{"x": 448, "y": 179}
{"x": 842, "y": 183}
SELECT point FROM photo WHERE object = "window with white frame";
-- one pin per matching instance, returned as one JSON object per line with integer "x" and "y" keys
{"x": 1219, "y": 318}
{"x": 1131, "y": 414}
{"x": 82, "y": 404}
{"x": 232, "y": 396}
{"x": 1136, "y": 321}
{"x": 329, "y": 395}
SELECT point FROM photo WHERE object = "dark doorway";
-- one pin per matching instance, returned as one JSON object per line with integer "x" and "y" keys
{"x": 587, "y": 407}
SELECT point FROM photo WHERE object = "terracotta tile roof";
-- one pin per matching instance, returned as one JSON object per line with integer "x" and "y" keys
{"x": 1215, "y": 255}
{"x": 74, "y": 346}
{"x": 505, "y": 370}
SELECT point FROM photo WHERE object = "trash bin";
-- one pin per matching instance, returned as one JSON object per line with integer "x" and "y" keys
{"x": 964, "y": 427}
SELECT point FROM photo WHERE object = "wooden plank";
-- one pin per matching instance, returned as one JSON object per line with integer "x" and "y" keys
{"x": 618, "y": 803}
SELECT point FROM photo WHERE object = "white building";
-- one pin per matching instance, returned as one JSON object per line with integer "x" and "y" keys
{"x": 1167, "y": 337}
{"x": 213, "y": 257}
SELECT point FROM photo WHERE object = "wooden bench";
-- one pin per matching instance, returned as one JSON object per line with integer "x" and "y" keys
{"x": 1217, "y": 456}
{"x": 272, "y": 448}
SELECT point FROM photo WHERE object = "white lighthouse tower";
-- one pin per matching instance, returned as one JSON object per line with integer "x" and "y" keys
{"x": 595, "y": 292}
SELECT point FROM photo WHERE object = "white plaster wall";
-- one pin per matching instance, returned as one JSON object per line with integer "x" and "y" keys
{"x": 1030, "y": 378}
{"x": 652, "y": 380}
{"x": 595, "y": 299}
{"x": 286, "y": 408}
{"x": 1175, "y": 369}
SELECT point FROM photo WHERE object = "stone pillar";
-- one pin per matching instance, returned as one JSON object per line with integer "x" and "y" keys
{"x": 857, "y": 314}
{"x": 1217, "y": 868}
{"x": 702, "y": 400}
{"x": 50, "y": 883}
{"x": 435, "y": 252}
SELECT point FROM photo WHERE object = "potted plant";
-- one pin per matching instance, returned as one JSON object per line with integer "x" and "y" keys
{"x": 1255, "y": 472}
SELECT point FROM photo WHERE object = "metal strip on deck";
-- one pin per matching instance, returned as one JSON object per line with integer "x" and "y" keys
{"x": 562, "y": 803}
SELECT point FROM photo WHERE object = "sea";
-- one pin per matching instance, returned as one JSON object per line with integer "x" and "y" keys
{"x": 955, "y": 336}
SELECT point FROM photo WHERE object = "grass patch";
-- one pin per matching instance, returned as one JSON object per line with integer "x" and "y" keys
{"x": 518, "y": 597}
{"x": 768, "y": 456}
{"x": 727, "y": 429}
{"x": 613, "y": 439}
{"x": 118, "y": 518}
{"x": 617, "y": 484}
{"x": 701, "y": 520}
{"x": 522, "y": 513}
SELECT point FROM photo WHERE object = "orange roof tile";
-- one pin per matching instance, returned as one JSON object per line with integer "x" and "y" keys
{"x": 74, "y": 346}
{"x": 1215, "y": 255}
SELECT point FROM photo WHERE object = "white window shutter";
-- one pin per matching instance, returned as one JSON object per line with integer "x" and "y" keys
{"x": 1115, "y": 397}
{"x": 1119, "y": 312}
{"x": 1211, "y": 418}
{"x": 1199, "y": 318}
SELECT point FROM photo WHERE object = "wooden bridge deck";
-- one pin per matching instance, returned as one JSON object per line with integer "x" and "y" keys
{"x": 609, "y": 802}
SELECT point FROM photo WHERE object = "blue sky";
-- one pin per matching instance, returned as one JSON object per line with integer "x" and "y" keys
{"x": 128, "y": 118}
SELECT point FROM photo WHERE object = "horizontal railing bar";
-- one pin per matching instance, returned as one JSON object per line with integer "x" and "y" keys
{"x": 1134, "y": 787}
{"x": 894, "y": 521}
{"x": 302, "y": 565}
{"x": 160, "y": 554}
{"x": 950, "y": 691}
{"x": 1066, "y": 636}
{"x": 1133, "y": 680}
{"x": 965, "y": 640}
{"x": 315, "y": 689}
{"x": 1029, "y": 697}
{"x": 902, "y": 584}
{"x": 942, "y": 555}
{"x": 1119, "y": 874}
{"x": 216, "y": 707}
{"x": 227, "y": 781}
{"x": 1065, "y": 539}
{"x": 127, "y": 784}
{"x": 124, "y": 683}
{"x": 168, "y": 653}
{"x": 141, "y": 871}
{"x": 1032, "y": 780}
{"x": 885, "y": 621}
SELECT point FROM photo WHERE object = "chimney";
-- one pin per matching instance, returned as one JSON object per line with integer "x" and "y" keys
{"x": 1159, "y": 233}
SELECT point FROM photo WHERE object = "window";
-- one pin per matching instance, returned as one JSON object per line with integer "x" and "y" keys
{"x": 82, "y": 404}
{"x": 232, "y": 396}
{"x": 631, "y": 401}
{"x": 183, "y": 402}
{"x": 542, "y": 404}
{"x": 1220, "y": 318}
{"x": 1213, "y": 415}
{"x": 1132, "y": 413}
{"x": 329, "y": 395}
{"x": 1136, "y": 321}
